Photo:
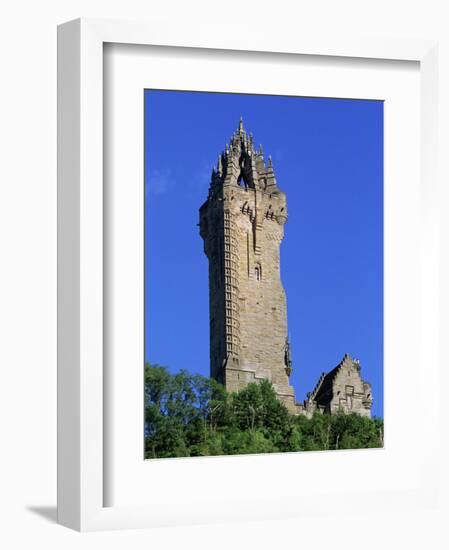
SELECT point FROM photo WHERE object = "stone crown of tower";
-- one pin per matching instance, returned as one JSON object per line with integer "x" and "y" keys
{"x": 242, "y": 164}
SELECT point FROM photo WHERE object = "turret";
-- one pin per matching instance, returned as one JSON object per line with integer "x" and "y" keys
{"x": 241, "y": 165}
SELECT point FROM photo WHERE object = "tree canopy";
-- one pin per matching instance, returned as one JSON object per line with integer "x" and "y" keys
{"x": 192, "y": 415}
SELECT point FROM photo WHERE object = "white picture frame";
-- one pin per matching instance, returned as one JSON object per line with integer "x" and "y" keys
{"x": 82, "y": 401}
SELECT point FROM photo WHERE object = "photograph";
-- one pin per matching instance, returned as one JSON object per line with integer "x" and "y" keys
{"x": 264, "y": 273}
{"x": 225, "y": 267}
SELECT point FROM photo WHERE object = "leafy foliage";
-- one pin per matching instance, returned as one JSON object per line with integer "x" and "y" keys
{"x": 191, "y": 415}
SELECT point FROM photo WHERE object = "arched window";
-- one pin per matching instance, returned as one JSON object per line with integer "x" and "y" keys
{"x": 258, "y": 272}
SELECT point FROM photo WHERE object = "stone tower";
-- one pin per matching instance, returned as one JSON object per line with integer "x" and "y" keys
{"x": 242, "y": 224}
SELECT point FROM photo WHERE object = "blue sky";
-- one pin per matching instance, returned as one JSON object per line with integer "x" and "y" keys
{"x": 328, "y": 159}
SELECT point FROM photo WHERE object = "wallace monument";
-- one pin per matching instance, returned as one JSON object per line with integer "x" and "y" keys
{"x": 242, "y": 225}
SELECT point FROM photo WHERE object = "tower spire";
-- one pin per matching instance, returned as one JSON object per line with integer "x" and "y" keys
{"x": 242, "y": 164}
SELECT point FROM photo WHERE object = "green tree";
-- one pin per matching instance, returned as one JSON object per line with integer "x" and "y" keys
{"x": 192, "y": 415}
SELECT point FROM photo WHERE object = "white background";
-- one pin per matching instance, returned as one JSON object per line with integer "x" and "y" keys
{"x": 28, "y": 271}
{"x": 298, "y": 478}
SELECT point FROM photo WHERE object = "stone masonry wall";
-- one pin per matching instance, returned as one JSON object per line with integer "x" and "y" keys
{"x": 262, "y": 301}
{"x": 247, "y": 300}
{"x": 350, "y": 393}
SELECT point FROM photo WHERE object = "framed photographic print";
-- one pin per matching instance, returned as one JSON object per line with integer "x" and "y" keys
{"x": 226, "y": 316}
{"x": 247, "y": 276}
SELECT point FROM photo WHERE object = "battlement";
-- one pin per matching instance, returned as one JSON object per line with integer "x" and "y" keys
{"x": 241, "y": 164}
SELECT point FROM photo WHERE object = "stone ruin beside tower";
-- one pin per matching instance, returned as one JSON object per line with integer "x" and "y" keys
{"x": 242, "y": 225}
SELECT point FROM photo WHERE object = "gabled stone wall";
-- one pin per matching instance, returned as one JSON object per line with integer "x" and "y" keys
{"x": 341, "y": 389}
